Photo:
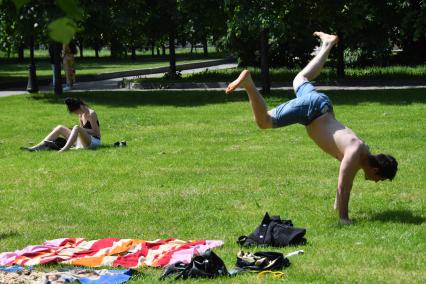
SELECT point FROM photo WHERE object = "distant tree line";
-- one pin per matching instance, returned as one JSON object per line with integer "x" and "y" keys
{"x": 258, "y": 32}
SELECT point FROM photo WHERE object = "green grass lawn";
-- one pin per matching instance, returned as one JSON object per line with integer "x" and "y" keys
{"x": 327, "y": 74}
{"x": 11, "y": 70}
{"x": 196, "y": 167}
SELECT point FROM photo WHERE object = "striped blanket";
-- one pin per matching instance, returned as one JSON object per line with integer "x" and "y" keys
{"x": 129, "y": 253}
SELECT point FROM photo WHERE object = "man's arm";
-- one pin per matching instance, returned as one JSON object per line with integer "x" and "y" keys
{"x": 348, "y": 169}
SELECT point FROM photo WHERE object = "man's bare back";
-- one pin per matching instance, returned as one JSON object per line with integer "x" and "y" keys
{"x": 332, "y": 136}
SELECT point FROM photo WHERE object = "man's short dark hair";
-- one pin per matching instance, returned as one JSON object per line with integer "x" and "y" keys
{"x": 386, "y": 164}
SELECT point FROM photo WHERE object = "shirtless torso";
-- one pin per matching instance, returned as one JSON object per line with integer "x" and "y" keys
{"x": 332, "y": 137}
{"x": 344, "y": 145}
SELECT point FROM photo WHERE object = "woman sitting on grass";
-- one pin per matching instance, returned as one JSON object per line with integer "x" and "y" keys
{"x": 85, "y": 135}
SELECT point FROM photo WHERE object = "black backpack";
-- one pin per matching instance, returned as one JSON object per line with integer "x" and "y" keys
{"x": 206, "y": 265}
{"x": 274, "y": 232}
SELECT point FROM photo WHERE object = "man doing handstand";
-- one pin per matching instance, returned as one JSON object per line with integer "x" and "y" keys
{"x": 315, "y": 111}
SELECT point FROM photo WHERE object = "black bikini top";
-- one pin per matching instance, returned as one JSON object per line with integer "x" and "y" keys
{"x": 88, "y": 125}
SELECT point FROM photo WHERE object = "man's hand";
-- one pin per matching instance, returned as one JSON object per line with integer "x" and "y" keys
{"x": 336, "y": 201}
{"x": 345, "y": 222}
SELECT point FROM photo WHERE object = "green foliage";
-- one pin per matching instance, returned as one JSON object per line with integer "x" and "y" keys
{"x": 196, "y": 26}
{"x": 71, "y": 8}
{"x": 62, "y": 29}
{"x": 19, "y": 3}
{"x": 286, "y": 75}
{"x": 371, "y": 27}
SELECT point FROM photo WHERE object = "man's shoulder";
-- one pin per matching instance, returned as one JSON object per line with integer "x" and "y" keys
{"x": 356, "y": 146}
{"x": 355, "y": 150}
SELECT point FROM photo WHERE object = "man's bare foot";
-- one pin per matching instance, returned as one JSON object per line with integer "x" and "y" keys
{"x": 240, "y": 81}
{"x": 326, "y": 38}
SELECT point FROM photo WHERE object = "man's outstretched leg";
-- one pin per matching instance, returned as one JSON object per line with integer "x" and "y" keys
{"x": 314, "y": 67}
{"x": 258, "y": 104}
{"x": 287, "y": 113}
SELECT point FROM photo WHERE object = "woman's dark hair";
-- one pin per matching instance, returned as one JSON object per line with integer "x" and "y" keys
{"x": 73, "y": 47}
{"x": 73, "y": 104}
{"x": 386, "y": 164}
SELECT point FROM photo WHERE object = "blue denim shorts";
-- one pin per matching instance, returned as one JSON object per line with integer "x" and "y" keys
{"x": 307, "y": 106}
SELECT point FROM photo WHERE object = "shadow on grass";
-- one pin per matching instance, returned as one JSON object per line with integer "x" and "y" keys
{"x": 5, "y": 235}
{"x": 398, "y": 216}
{"x": 129, "y": 99}
{"x": 385, "y": 97}
{"x": 134, "y": 99}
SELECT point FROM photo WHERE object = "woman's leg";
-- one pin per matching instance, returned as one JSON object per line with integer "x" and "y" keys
{"x": 314, "y": 67}
{"x": 67, "y": 69}
{"x": 72, "y": 72}
{"x": 77, "y": 132}
{"x": 258, "y": 104}
{"x": 55, "y": 133}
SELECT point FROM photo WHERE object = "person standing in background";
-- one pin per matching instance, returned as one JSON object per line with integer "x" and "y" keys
{"x": 68, "y": 51}
{"x": 52, "y": 61}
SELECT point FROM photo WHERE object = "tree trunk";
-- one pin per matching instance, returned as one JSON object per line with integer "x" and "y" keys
{"x": 96, "y": 47}
{"x": 114, "y": 48}
{"x": 264, "y": 62}
{"x": 158, "y": 51}
{"x": 113, "y": 53}
{"x": 172, "y": 55}
{"x": 133, "y": 52}
{"x": 32, "y": 86}
{"x": 21, "y": 53}
{"x": 164, "y": 49}
{"x": 205, "y": 46}
{"x": 192, "y": 48}
{"x": 57, "y": 69}
{"x": 340, "y": 57}
{"x": 153, "y": 50}
{"x": 80, "y": 46}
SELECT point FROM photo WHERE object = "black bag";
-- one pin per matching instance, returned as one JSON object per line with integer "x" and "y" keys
{"x": 206, "y": 265}
{"x": 261, "y": 260}
{"x": 274, "y": 232}
{"x": 57, "y": 145}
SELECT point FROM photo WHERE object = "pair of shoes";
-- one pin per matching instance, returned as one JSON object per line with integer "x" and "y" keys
{"x": 29, "y": 149}
{"x": 35, "y": 149}
{"x": 120, "y": 144}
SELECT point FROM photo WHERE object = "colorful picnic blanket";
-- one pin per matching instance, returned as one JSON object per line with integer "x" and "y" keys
{"x": 129, "y": 253}
{"x": 20, "y": 275}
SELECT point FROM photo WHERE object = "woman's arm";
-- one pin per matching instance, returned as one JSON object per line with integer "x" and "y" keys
{"x": 93, "y": 118}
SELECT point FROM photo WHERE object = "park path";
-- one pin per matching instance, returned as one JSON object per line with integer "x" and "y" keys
{"x": 115, "y": 84}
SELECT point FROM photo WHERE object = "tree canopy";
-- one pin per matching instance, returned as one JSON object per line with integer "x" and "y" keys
{"x": 368, "y": 30}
